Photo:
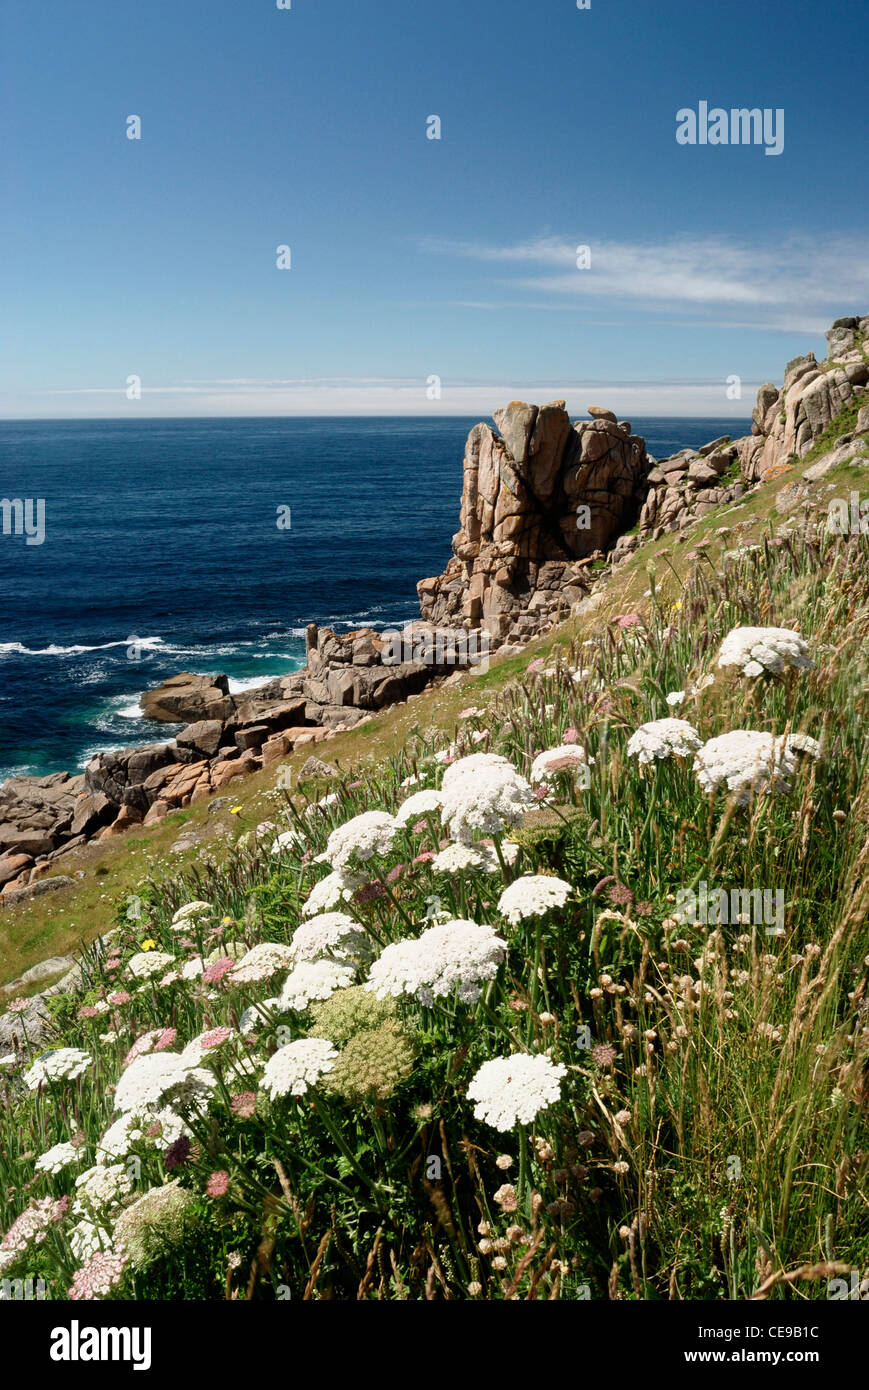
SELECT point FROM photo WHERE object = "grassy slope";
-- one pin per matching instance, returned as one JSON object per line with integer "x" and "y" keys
{"x": 55, "y": 925}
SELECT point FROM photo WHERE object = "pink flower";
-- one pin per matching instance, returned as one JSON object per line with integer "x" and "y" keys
{"x": 166, "y": 1039}
{"x": 570, "y": 735}
{"x": 215, "y": 1037}
{"x": 96, "y": 1279}
{"x": 88, "y": 1011}
{"x": 535, "y": 666}
{"x": 218, "y": 1184}
{"x": 215, "y": 973}
{"x": 18, "y": 1006}
{"x": 395, "y": 874}
{"x": 624, "y": 620}
{"x": 120, "y": 997}
{"x": 420, "y": 826}
{"x": 541, "y": 793}
{"x": 244, "y": 1104}
{"x": 424, "y": 857}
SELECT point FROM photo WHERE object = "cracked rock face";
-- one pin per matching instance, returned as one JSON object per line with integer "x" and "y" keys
{"x": 788, "y": 422}
{"x": 538, "y": 497}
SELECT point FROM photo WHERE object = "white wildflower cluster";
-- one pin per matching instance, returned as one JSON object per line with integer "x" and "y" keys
{"x": 58, "y": 1157}
{"x": 746, "y": 761}
{"x": 331, "y": 934}
{"x": 532, "y": 896}
{"x": 474, "y": 858}
{"x": 331, "y": 799}
{"x": 764, "y": 650}
{"x": 288, "y": 839}
{"x": 147, "y": 964}
{"x": 360, "y": 839}
{"x": 187, "y": 914}
{"x": 418, "y": 805}
{"x": 454, "y": 955}
{"x": 101, "y": 1188}
{"x": 663, "y": 738}
{"x": 86, "y": 1238}
{"x": 131, "y": 1128}
{"x": 330, "y": 892}
{"x": 483, "y": 794}
{"x": 257, "y": 1015}
{"x": 156, "y": 1075}
{"x": 513, "y": 1090}
{"x": 314, "y": 979}
{"x": 61, "y": 1064}
{"x": 292, "y": 1069}
{"x": 261, "y": 962}
{"x": 675, "y": 697}
{"x": 565, "y": 758}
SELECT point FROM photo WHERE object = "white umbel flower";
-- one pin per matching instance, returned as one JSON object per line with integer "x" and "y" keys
{"x": 332, "y": 890}
{"x": 420, "y": 804}
{"x": 746, "y": 761}
{"x": 101, "y": 1188}
{"x": 292, "y": 1069}
{"x": 565, "y": 758}
{"x": 60, "y": 1156}
{"x": 675, "y": 697}
{"x": 315, "y": 979}
{"x": 476, "y": 858}
{"x": 186, "y": 914}
{"x": 486, "y": 802}
{"x": 512, "y": 1091}
{"x": 331, "y": 934}
{"x": 360, "y": 839}
{"x": 157, "y": 1074}
{"x": 454, "y": 955}
{"x": 663, "y": 738}
{"x": 62, "y": 1064}
{"x": 148, "y": 963}
{"x": 261, "y": 962}
{"x": 472, "y": 766}
{"x": 759, "y": 650}
{"x": 532, "y": 896}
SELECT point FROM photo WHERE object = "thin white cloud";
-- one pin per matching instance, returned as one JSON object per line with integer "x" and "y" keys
{"x": 783, "y": 281}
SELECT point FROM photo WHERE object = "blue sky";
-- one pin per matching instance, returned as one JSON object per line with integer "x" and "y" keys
{"x": 411, "y": 257}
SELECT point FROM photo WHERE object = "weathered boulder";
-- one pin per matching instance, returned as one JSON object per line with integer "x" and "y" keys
{"x": 125, "y": 777}
{"x": 188, "y": 698}
{"x": 204, "y": 736}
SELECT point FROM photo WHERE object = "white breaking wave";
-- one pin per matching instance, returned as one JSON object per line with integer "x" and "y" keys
{"x": 18, "y": 649}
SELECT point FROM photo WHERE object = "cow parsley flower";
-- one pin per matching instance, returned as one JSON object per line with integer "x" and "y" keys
{"x": 189, "y": 912}
{"x": 764, "y": 650}
{"x": 454, "y": 955}
{"x": 329, "y": 934}
{"x": 61, "y": 1064}
{"x": 418, "y": 805}
{"x": 58, "y": 1157}
{"x": 88, "y": 1238}
{"x": 532, "y": 896}
{"x": 360, "y": 839}
{"x": 161, "y": 1074}
{"x": 675, "y": 697}
{"x": 373, "y": 1064}
{"x": 474, "y": 858}
{"x": 473, "y": 766}
{"x": 513, "y": 1090}
{"x": 487, "y": 802}
{"x": 314, "y": 979}
{"x": 663, "y": 738}
{"x": 746, "y": 761}
{"x": 332, "y": 890}
{"x": 564, "y": 758}
{"x": 261, "y": 962}
{"x": 147, "y": 964}
{"x": 292, "y": 1069}
{"x": 101, "y": 1188}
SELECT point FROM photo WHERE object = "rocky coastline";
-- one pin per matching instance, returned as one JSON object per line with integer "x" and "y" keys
{"x": 548, "y": 508}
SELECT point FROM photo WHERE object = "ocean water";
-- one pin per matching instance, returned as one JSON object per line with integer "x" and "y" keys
{"x": 162, "y": 552}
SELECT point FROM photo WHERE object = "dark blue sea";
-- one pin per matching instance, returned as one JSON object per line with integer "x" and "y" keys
{"x": 162, "y": 553}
